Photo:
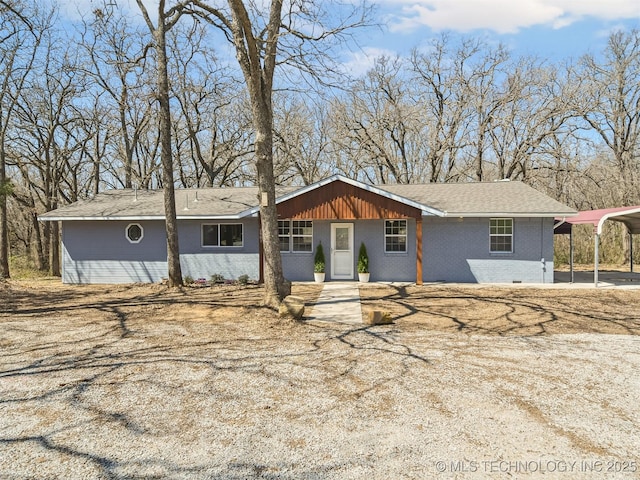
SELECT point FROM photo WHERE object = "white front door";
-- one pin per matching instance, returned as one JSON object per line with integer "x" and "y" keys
{"x": 342, "y": 251}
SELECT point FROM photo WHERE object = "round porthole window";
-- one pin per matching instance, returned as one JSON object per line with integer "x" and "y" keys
{"x": 134, "y": 232}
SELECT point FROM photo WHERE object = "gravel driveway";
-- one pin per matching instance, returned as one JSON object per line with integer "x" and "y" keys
{"x": 141, "y": 383}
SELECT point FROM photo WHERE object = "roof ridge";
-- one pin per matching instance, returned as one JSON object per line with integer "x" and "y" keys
{"x": 494, "y": 182}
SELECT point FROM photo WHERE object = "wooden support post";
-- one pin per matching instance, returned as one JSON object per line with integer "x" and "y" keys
{"x": 419, "y": 250}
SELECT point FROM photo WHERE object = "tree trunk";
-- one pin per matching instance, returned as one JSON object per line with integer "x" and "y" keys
{"x": 479, "y": 156}
{"x": 173, "y": 249}
{"x": 4, "y": 227}
{"x": 96, "y": 167}
{"x": 275, "y": 285}
{"x": 41, "y": 263}
{"x": 626, "y": 245}
{"x": 258, "y": 74}
{"x": 159, "y": 34}
{"x": 128, "y": 151}
{"x": 4, "y": 237}
{"x": 46, "y": 244}
{"x": 54, "y": 265}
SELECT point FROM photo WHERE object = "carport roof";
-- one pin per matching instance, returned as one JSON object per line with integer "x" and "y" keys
{"x": 630, "y": 216}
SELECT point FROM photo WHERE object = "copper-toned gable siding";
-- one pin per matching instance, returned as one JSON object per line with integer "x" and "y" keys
{"x": 342, "y": 201}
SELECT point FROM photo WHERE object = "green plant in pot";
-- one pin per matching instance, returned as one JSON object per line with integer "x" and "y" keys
{"x": 363, "y": 264}
{"x": 319, "y": 264}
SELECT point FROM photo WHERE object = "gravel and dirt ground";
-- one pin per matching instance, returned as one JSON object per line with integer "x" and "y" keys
{"x": 141, "y": 381}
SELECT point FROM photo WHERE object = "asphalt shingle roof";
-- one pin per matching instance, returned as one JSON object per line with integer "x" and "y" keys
{"x": 449, "y": 199}
{"x": 129, "y": 204}
{"x": 488, "y": 198}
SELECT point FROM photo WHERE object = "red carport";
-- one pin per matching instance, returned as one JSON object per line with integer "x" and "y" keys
{"x": 630, "y": 216}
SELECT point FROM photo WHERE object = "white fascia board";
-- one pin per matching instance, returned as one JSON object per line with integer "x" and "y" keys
{"x": 133, "y": 218}
{"x": 252, "y": 212}
{"x": 426, "y": 213}
{"x": 378, "y": 191}
{"x": 208, "y": 217}
{"x": 508, "y": 214}
{"x": 83, "y": 218}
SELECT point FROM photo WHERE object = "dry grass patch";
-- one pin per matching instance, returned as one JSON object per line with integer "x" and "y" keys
{"x": 473, "y": 310}
{"x": 143, "y": 381}
{"x": 137, "y": 307}
{"x": 39, "y": 296}
{"x": 506, "y": 311}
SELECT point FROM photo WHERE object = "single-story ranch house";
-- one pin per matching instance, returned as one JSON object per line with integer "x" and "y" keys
{"x": 498, "y": 232}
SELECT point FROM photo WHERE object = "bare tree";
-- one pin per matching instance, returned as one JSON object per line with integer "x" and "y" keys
{"x": 530, "y": 112}
{"x": 167, "y": 19}
{"x": 380, "y": 126}
{"x": 115, "y": 61}
{"x": 440, "y": 75}
{"x": 20, "y": 34}
{"x": 212, "y": 124}
{"x": 302, "y": 147}
{"x": 609, "y": 104}
{"x": 49, "y": 146}
{"x": 256, "y": 51}
{"x": 480, "y": 82}
{"x": 264, "y": 37}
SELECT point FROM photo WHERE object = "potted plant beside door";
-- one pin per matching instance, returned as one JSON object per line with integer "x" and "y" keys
{"x": 363, "y": 264}
{"x": 319, "y": 264}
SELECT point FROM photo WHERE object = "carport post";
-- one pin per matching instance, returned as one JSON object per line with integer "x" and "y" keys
{"x": 631, "y": 252}
{"x": 596, "y": 259}
{"x": 571, "y": 251}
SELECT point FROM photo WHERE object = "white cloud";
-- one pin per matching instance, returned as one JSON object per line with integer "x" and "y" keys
{"x": 502, "y": 16}
{"x": 361, "y": 61}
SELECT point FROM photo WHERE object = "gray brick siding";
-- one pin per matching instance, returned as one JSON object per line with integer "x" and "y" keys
{"x": 457, "y": 250}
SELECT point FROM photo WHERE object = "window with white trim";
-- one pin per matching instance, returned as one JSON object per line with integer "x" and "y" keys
{"x": 501, "y": 235}
{"x": 134, "y": 232}
{"x": 222, "y": 235}
{"x": 284, "y": 234}
{"x": 395, "y": 236}
{"x": 295, "y": 235}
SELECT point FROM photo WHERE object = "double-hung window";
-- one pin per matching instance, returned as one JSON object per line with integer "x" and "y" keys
{"x": 284, "y": 234}
{"x": 222, "y": 235}
{"x": 395, "y": 236}
{"x": 295, "y": 235}
{"x": 501, "y": 235}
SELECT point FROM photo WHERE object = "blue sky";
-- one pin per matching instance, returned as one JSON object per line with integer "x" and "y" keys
{"x": 550, "y": 29}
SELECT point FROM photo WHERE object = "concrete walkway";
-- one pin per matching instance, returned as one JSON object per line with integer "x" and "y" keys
{"x": 338, "y": 302}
